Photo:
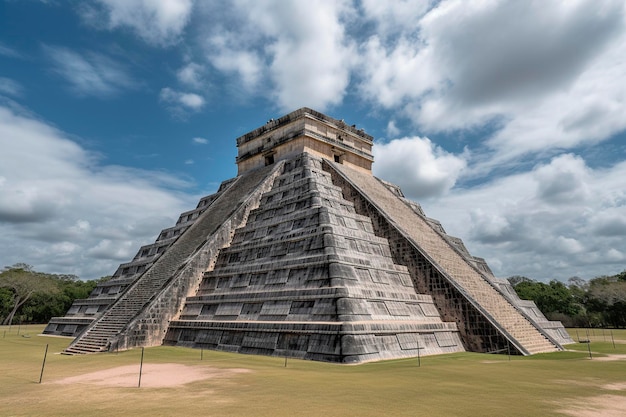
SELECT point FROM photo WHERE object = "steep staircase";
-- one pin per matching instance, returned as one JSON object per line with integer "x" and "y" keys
{"x": 479, "y": 291}
{"x": 100, "y": 334}
{"x": 306, "y": 277}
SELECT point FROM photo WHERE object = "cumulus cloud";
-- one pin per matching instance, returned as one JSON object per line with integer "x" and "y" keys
{"x": 180, "y": 103}
{"x": 419, "y": 166}
{"x": 64, "y": 212}
{"x": 528, "y": 224}
{"x": 156, "y": 22}
{"x": 394, "y": 18}
{"x": 300, "y": 48}
{"x": 544, "y": 73}
{"x": 245, "y": 65}
{"x": 392, "y": 129}
{"x": 90, "y": 74}
{"x": 563, "y": 181}
{"x": 191, "y": 75}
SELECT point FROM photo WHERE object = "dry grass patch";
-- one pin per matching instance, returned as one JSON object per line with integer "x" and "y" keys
{"x": 606, "y": 405}
{"x": 177, "y": 381}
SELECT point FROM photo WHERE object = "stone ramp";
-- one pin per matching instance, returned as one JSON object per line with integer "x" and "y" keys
{"x": 473, "y": 286}
{"x": 102, "y": 333}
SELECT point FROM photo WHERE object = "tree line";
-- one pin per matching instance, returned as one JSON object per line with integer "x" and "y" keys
{"x": 28, "y": 296}
{"x": 599, "y": 302}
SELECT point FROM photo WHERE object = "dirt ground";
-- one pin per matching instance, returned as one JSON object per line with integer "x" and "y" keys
{"x": 606, "y": 405}
{"x": 152, "y": 376}
{"x": 612, "y": 404}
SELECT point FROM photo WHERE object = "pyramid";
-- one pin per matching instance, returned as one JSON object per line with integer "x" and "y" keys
{"x": 306, "y": 254}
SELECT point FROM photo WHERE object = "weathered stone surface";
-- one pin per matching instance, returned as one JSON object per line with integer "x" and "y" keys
{"x": 305, "y": 254}
{"x": 305, "y": 265}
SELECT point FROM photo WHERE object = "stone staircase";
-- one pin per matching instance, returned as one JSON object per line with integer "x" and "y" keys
{"x": 477, "y": 290}
{"x": 100, "y": 335}
{"x": 307, "y": 277}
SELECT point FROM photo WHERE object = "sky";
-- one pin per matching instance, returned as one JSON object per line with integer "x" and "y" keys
{"x": 505, "y": 120}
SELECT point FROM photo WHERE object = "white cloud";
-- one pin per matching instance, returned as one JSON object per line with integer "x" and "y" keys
{"x": 179, "y": 102}
{"x": 90, "y": 74}
{"x": 561, "y": 219}
{"x": 395, "y": 17}
{"x": 300, "y": 48}
{"x": 156, "y": 22}
{"x": 64, "y": 212}
{"x": 246, "y": 65}
{"x": 546, "y": 74}
{"x": 392, "y": 130}
{"x": 311, "y": 58}
{"x": 418, "y": 166}
{"x": 564, "y": 181}
{"x": 200, "y": 141}
{"x": 401, "y": 74}
{"x": 10, "y": 87}
{"x": 191, "y": 75}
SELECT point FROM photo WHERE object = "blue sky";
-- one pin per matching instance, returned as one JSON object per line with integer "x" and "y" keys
{"x": 505, "y": 120}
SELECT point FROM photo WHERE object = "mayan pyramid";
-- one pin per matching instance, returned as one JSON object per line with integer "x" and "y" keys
{"x": 306, "y": 254}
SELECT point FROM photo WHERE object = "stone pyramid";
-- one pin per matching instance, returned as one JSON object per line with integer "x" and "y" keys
{"x": 306, "y": 254}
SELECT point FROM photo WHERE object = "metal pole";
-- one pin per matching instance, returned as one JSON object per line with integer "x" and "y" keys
{"x": 201, "y": 353}
{"x": 577, "y": 337}
{"x": 419, "y": 359}
{"x": 613, "y": 340}
{"x": 508, "y": 349}
{"x": 589, "y": 348}
{"x": 285, "y": 361}
{"x": 43, "y": 364}
{"x": 140, "y": 369}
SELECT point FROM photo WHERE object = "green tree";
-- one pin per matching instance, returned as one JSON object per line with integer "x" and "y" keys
{"x": 22, "y": 283}
{"x": 607, "y": 296}
{"x": 554, "y": 297}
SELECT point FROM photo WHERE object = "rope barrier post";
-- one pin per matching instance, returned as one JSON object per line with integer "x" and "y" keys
{"x": 43, "y": 363}
{"x": 140, "y": 369}
{"x": 612, "y": 339}
{"x": 419, "y": 359}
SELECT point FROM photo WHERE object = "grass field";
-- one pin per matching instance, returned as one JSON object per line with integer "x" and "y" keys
{"x": 465, "y": 384}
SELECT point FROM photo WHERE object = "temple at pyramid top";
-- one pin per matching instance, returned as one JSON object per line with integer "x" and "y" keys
{"x": 305, "y": 130}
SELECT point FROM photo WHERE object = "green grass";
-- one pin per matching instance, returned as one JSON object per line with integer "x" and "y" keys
{"x": 465, "y": 384}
